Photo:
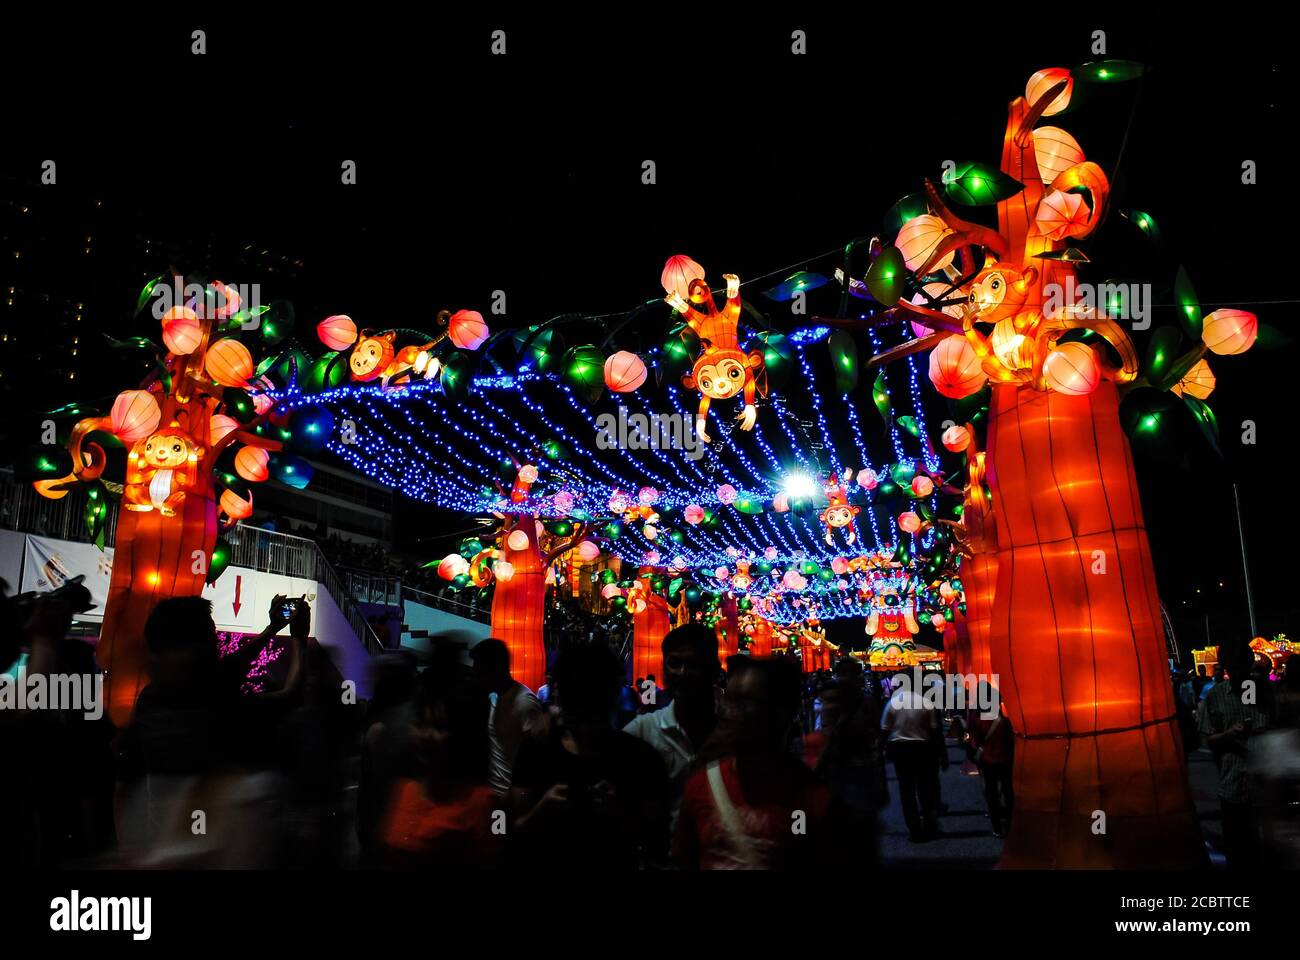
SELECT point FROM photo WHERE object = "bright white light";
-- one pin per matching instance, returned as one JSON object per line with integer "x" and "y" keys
{"x": 798, "y": 486}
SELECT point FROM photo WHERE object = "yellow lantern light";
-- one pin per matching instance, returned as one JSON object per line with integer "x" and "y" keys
{"x": 229, "y": 363}
{"x": 1227, "y": 331}
{"x": 1198, "y": 382}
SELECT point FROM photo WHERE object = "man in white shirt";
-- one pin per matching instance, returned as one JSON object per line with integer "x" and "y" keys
{"x": 914, "y": 735}
{"x": 691, "y": 670}
{"x": 514, "y": 713}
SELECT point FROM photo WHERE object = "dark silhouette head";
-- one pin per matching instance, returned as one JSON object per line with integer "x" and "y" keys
{"x": 691, "y": 664}
{"x": 491, "y": 659}
{"x": 588, "y": 679}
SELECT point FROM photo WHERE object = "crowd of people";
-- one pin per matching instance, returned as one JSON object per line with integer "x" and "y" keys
{"x": 750, "y": 764}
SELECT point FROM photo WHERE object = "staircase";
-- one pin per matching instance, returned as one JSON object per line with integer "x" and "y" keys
{"x": 425, "y": 615}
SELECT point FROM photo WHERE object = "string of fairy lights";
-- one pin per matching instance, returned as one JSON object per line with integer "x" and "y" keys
{"x": 451, "y": 453}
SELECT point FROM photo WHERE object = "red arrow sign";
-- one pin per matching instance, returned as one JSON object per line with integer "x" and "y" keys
{"x": 238, "y": 581}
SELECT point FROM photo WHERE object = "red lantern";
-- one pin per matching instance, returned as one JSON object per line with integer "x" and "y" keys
{"x": 135, "y": 415}
{"x": 956, "y": 438}
{"x": 955, "y": 369}
{"x": 229, "y": 363}
{"x": 1072, "y": 369}
{"x": 181, "y": 331}
{"x": 624, "y": 372}
{"x": 467, "y": 329}
{"x": 337, "y": 332}
{"x": 251, "y": 464}
{"x": 649, "y": 627}
{"x": 909, "y": 522}
{"x": 678, "y": 273}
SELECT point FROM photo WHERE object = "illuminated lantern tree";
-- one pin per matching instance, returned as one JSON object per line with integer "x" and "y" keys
{"x": 176, "y": 427}
{"x": 519, "y": 604}
{"x": 650, "y": 624}
{"x": 1074, "y": 628}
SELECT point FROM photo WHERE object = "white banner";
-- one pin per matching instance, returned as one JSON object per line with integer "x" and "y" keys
{"x": 241, "y": 598}
{"x": 48, "y": 564}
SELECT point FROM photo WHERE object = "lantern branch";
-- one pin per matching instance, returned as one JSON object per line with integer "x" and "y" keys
{"x": 579, "y": 534}
{"x": 968, "y": 232}
{"x": 1035, "y": 111}
{"x": 253, "y": 440}
{"x": 83, "y": 471}
{"x": 909, "y": 348}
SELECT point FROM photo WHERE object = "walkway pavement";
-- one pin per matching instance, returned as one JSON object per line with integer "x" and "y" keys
{"x": 966, "y": 842}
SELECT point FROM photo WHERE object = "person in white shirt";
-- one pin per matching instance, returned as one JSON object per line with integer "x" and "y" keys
{"x": 691, "y": 671}
{"x": 914, "y": 735}
{"x": 515, "y": 712}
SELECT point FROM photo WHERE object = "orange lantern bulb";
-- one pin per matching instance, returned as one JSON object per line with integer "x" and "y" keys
{"x": 1072, "y": 369}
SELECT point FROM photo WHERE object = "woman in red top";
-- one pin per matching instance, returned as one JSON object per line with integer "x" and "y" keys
{"x": 444, "y": 816}
{"x": 755, "y": 806}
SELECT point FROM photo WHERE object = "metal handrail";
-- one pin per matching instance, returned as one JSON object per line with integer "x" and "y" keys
{"x": 443, "y": 603}
{"x": 270, "y": 551}
{"x": 26, "y": 511}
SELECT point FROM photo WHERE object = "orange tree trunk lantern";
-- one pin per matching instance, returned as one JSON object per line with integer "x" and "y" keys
{"x": 519, "y": 604}
{"x": 1077, "y": 641}
{"x": 168, "y": 527}
{"x": 1074, "y": 636}
{"x": 648, "y": 631}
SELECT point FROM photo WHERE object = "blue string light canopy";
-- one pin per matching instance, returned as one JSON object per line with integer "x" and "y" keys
{"x": 631, "y": 465}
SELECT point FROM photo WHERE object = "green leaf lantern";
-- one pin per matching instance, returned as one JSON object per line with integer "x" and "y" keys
{"x": 455, "y": 377}
{"x": 96, "y": 512}
{"x": 887, "y": 276}
{"x": 1189, "y": 307}
{"x": 844, "y": 359}
{"x": 778, "y": 357}
{"x": 220, "y": 560}
{"x": 979, "y": 185}
{"x": 880, "y": 396}
{"x": 584, "y": 371}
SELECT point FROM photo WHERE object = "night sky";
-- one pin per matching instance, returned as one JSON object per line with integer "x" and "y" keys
{"x": 522, "y": 173}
